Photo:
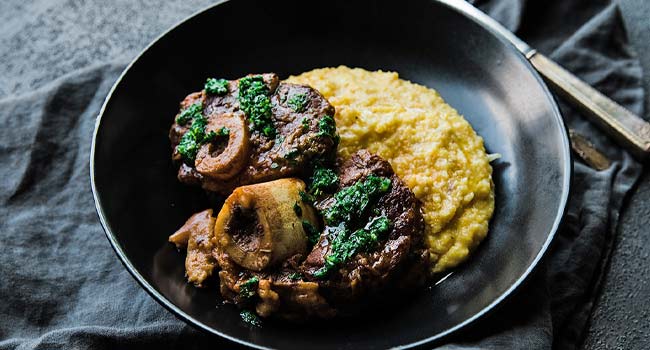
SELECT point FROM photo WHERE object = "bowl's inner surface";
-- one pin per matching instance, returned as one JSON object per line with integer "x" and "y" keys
{"x": 486, "y": 80}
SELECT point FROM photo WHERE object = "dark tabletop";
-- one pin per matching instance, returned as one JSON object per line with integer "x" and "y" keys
{"x": 621, "y": 316}
{"x": 620, "y": 319}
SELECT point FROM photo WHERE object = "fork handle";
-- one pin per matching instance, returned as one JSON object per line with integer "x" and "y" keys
{"x": 628, "y": 129}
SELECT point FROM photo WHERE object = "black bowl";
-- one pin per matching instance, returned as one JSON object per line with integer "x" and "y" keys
{"x": 140, "y": 202}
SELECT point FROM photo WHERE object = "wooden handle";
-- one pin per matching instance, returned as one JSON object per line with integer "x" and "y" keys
{"x": 624, "y": 126}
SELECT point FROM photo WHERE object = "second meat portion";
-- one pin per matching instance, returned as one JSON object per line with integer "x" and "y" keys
{"x": 287, "y": 257}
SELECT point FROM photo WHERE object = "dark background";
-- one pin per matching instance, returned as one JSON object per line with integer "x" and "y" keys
{"x": 89, "y": 34}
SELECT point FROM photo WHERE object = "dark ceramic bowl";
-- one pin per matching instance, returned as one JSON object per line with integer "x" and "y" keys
{"x": 140, "y": 202}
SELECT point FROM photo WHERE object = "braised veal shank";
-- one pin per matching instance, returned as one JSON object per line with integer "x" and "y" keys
{"x": 248, "y": 155}
{"x": 290, "y": 287}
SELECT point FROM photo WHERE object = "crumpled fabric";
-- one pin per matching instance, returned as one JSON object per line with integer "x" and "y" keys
{"x": 552, "y": 310}
{"x": 63, "y": 287}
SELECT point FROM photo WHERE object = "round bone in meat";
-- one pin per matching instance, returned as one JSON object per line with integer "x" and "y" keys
{"x": 227, "y": 163}
{"x": 259, "y": 225}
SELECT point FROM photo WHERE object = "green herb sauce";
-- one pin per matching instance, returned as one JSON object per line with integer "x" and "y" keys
{"x": 250, "y": 318}
{"x": 344, "y": 245}
{"x": 353, "y": 201}
{"x": 216, "y": 86}
{"x": 298, "y": 102}
{"x": 248, "y": 289}
{"x": 291, "y": 154}
{"x": 306, "y": 197}
{"x": 188, "y": 113}
{"x": 312, "y": 233}
{"x": 322, "y": 180}
{"x": 223, "y": 131}
{"x": 295, "y": 276}
{"x": 305, "y": 124}
{"x": 196, "y": 136}
{"x": 351, "y": 205}
{"x": 255, "y": 102}
{"x": 327, "y": 128}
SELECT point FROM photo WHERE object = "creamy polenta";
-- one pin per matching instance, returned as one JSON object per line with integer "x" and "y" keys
{"x": 430, "y": 146}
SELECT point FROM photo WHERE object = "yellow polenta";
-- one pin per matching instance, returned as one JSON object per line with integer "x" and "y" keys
{"x": 430, "y": 146}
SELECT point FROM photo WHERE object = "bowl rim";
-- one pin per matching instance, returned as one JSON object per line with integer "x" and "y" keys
{"x": 493, "y": 306}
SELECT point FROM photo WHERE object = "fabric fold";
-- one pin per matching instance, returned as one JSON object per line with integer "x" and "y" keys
{"x": 597, "y": 52}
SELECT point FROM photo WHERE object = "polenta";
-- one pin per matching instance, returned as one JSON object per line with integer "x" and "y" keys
{"x": 429, "y": 144}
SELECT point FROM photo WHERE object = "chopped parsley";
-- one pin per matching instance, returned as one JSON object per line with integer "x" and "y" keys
{"x": 345, "y": 244}
{"x": 223, "y": 131}
{"x": 327, "y": 127}
{"x": 305, "y": 124}
{"x": 295, "y": 276}
{"x": 196, "y": 136}
{"x": 322, "y": 180}
{"x": 347, "y": 230}
{"x": 216, "y": 86}
{"x": 248, "y": 289}
{"x": 255, "y": 102}
{"x": 312, "y": 232}
{"x": 297, "y": 209}
{"x": 353, "y": 201}
{"x": 298, "y": 102}
{"x": 291, "y": 154}
{"x": 306, "y": 197}
{"x": 189, "y": 113}
{"x": 250, "y": 318}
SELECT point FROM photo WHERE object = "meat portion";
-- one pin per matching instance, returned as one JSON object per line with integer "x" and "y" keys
{"x": 300, "y": 134}
{"x": 293, "y": 289}
{"x": 399, "y": 259}
{"x": 260, "y": 240}
{"x": 281, "y": 293}
{"x": 196, "y": 235}
{"x": 261, "y": 225}
{"x": 293, "y": 300}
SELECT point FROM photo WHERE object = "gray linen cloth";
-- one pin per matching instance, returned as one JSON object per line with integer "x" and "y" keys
{"x": 62, "y": 287}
